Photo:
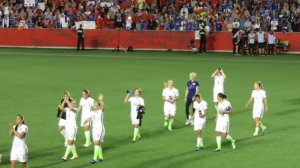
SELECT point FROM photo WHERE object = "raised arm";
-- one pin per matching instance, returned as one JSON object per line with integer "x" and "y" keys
{"x": 223, "y": 74}
{"x": 126, "y": 98}
{"x": 214, "y": 73}
{"x": 19, "y": 135}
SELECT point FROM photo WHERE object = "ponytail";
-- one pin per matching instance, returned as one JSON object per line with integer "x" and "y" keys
{"x": 23, "y": 122}
{"x": 223, "y": 96}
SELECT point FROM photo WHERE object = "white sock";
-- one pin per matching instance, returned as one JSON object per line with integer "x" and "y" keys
{"x": 170, "y": 121}
{"x": 190, "y": 117}
{"x": 63, "y": 132}
{"x": 219, "y": 139}
{"x": 136, "y": 131}
{"x": 87, "y": 136}
{"x": 229, "y": 138}
{"x": 199, "y": 142}
{"x": 256, "y": 130}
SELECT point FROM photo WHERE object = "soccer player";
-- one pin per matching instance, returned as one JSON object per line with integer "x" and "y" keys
{"x": 219, "y": 78}
{"x": 222, "y": 121}
{"x": 71, "y": 127}
{"x": 86, "y": 104}
{"x": 251, "y": 42}
{"x": 135, "y": 101}
{"x": 200, "y": 114}
{"x": 259, "y": 107}
{"x": 170, "y": 95}
{"x": 97, "y": 118}
{"x": 61, "y": 116}
{"x": 19, "y": 151}
{"x": 191, "y": 90}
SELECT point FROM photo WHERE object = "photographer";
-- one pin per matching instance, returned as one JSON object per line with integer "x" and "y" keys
{"x": 135, "y": 100}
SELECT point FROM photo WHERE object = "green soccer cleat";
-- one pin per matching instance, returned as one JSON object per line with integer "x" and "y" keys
{"x": 233, "y": 144}
{"x": 264, "y": 128}
{"x": 217, "y": 150}
{"x": 166, "y": 124}
{"x": 199, "y": 148}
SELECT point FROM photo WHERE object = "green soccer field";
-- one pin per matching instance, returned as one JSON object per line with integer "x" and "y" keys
{"x": 33, "y": 82}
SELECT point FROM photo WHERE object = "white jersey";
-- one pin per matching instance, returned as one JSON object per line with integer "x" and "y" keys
{"x": 86, "y": 105}
{"x": 199, "y": 109}
{"x": 71, "y": 115}
{"x": 271, "y": 39}
{"x": 261, "y": 37}
{"x": 251, "y": 38}
{"x": 97, "y": 118}
{"x": 219, "y": 83}
{"x": 225, "y": 106}
{"x": 258, "y": 96}
{"x": 135, "y": 102}
{"x": 170, "y": 94}
{"x": 20, "y": 142}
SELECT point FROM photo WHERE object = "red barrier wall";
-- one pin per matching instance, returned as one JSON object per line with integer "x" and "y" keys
{"x": 151, "y": 40}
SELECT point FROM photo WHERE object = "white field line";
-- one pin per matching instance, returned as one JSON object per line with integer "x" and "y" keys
{"x": 149, "y": 57}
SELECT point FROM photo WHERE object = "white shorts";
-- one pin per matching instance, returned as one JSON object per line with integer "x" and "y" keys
{"x": 20, "y": 154}
{"x": 222, "y": 126}
{"x": 169, "y": 110}
{"x": 84, "y": 117}
{"x": 71, "y": 133}
{"x": 216, "y": 92}
{"x": 134, "y": 119}
{"x": 258, "y": 112}
{"x": 98, "y": 134}
{"x": 62, "y": 122}
{"x": 199, "y": 124}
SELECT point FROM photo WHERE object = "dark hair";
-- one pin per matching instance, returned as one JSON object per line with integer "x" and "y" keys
{"x": 221, "y": 95}
{"x": 86, "y": 92}
{"x": 197, "y": 96}
{"x": 22, "y": 117}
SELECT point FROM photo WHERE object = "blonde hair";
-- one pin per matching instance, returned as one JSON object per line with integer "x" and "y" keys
{"x": 193, "y": 74}
{"x": 259, "y": 83}
{"x": 67, "y": 93}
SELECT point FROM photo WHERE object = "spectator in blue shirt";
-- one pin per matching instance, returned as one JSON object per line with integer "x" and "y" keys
{"x": 191, "y": 90}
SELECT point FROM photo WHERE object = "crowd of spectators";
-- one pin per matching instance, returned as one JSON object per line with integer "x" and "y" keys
{"x": 180, "y": 15}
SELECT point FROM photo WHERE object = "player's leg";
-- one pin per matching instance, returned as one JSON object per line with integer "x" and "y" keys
{"x": 13, "y": 163}
{"x": 187, "y": 111}
{"x": 24, "y": 165}
{"x": 62, "y": 130}
{"x": 199, "y": 145}
{"x": 135, "y": 132}
{"x": 87, "y": 130}
{"x": 229, "y": 138}
{"x": 218, "y": 141}
{"x": 257, "y": 123}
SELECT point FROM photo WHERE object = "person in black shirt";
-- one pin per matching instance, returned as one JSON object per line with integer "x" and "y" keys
{"x": 202, "y": 33}
{"x": 80, "y": 40}
{"x": 61, "y": 115}
{"x": 152, "y": 24}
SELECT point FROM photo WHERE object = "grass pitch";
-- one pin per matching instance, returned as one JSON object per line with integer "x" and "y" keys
{"x": 33, "y": 81}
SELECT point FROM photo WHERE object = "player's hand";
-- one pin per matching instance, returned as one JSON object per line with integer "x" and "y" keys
{"x": 266, "y": 109}
{"x": 100, "y": 97}
{"x": 10, "y": 124}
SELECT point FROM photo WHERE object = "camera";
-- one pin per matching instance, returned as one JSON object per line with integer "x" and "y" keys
{"x": 129, "y": 91}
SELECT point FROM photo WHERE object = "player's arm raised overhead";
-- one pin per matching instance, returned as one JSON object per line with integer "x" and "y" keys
{"x": 214, "y": 73}
{"x": 223, "y": 74}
